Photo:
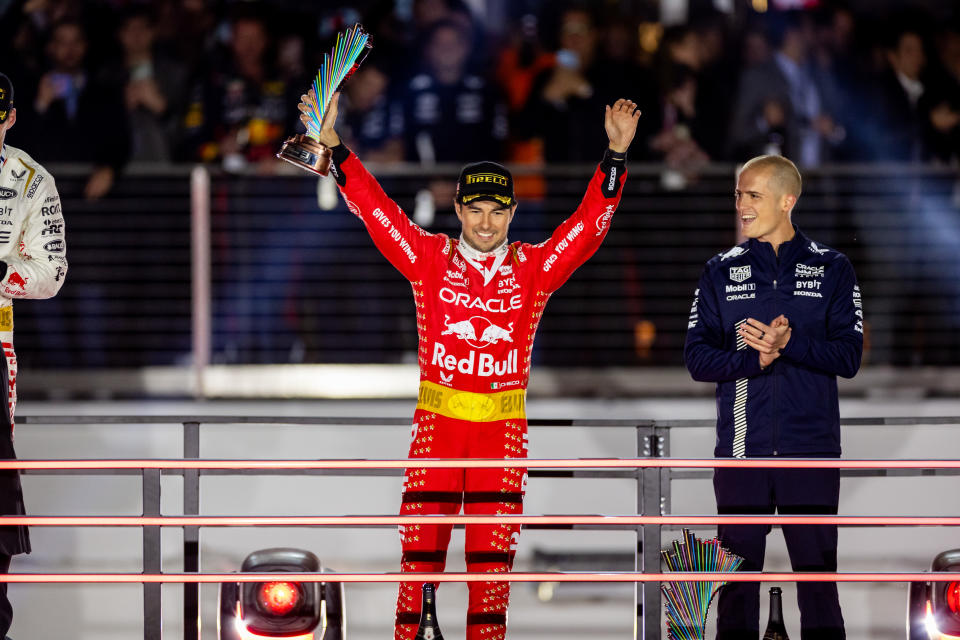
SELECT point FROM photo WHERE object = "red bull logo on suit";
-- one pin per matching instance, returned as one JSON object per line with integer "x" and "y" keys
{"x": 463, "y": 329}
{"x": 17, "y": 280}
{"x": 482, "y": 365}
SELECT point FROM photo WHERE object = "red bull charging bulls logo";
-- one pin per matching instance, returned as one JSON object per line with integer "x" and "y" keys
{"x": 482, "y": 364}
{"x": 469, "y": 329}
{"x": 16, "y": 280}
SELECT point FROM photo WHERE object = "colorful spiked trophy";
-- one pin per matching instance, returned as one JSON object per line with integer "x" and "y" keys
{"x": 349, "y": 51}
{"x": 687, "y": 603}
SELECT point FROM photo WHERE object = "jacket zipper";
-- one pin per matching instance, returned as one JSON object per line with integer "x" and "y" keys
{"x": 775, "y": 372}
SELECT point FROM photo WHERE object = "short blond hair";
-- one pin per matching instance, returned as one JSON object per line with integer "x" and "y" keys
{"x": 782, "y": 171}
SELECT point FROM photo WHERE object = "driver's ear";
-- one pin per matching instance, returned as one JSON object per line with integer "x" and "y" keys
{"x": 790, "y": 201}
{"x": 513, "y": 210}
{"x": 457, "y": 207}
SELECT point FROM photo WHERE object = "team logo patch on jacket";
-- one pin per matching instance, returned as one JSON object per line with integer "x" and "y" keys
{"x": 806, "y": 271}
{"x": 739, "y": 274}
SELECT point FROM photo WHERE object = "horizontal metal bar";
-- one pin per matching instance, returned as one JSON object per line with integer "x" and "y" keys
{"x": 844, "y": 422}
{"x": 533, "y": 473}
{"x": 358, "y": 521}
{"x": 395, "y": 421}
{"x": 498, "y": 463}
{"x": 297, "y": 420}
{"x": 612, "y": 576}
{"x": 699, "y": 474}
{"x": 706, "y": 474}
{"x": 179, "y": 420}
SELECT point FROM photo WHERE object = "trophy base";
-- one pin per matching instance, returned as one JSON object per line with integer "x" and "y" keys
{"x": 306, "y": 153}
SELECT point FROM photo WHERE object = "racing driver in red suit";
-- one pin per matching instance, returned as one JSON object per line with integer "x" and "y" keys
{"x": 479, "y": 300}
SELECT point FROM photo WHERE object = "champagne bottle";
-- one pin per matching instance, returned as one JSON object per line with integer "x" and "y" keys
{"x": 775, "y": 627}
{"x": 429, "y": 628}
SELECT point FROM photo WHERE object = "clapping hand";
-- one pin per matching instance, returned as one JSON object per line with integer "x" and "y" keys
{"x": 767, "y": 339}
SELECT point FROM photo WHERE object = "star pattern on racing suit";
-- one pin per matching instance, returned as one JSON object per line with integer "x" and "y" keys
{"x": 477, "y": 314}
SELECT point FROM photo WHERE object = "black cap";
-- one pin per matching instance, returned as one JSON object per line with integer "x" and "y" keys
{"x": 6, "y": 97}
{"x": 485, "y": 181}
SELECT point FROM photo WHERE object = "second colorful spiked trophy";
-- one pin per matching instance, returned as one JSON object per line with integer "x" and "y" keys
{"x": 687, "y": 603}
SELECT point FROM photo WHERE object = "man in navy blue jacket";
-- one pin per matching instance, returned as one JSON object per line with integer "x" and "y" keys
{"x": 774, "y": 321}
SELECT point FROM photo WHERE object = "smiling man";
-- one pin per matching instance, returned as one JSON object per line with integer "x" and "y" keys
{"x": 774, "y": 321}
{"x": 479, "y": 300}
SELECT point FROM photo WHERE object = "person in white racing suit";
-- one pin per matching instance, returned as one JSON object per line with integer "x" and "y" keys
{"x": 33, "y": 264}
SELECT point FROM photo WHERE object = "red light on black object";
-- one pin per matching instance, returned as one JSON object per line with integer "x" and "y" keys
{"x": 953, "y": 597}
{"x": 279, "y": 598}
{"x": 280, "y": 608}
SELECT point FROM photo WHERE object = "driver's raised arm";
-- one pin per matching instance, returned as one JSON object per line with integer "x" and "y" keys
{"x": 401, "y": 241}
{"x": 580, "y": 235}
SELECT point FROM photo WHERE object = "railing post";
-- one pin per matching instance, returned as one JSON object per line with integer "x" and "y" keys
{"x": 661, "y": 436}
{"x": 200, "y": 275}
{"x": 191, "y": 535}
{"x": 638, "y": 554}
{"x": 649, "y": 502}
{"x": 152, "y": 605}
{"x": 648, "y": 540}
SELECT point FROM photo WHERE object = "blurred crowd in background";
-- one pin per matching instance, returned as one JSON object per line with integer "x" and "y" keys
{"x": 121, "y": 84}
{"x": 109, "y": 82}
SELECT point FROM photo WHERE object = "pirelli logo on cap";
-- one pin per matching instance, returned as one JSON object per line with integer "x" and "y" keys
{"x": 478, "y": 178}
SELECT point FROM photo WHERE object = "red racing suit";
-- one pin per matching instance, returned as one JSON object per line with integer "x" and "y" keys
{"x": 477, "y": 314}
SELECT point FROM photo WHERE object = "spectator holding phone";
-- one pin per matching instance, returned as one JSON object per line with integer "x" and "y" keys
{"x": 572, "y": 92}
{"x": 152, "y": 87}
{"x": 563, "y": 94}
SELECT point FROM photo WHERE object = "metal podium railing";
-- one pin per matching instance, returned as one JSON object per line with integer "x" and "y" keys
{"x": 653, "y": 491}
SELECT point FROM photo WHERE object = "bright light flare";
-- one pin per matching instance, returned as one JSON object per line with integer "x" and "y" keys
{"x": 930, "y": 623}
{"x": 279, "y": 598}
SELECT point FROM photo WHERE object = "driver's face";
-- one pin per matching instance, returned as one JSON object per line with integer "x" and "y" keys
{"x": 485, "y": 223}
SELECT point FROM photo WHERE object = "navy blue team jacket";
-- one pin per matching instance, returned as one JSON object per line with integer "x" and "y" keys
{"x": 789, "y": 408}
